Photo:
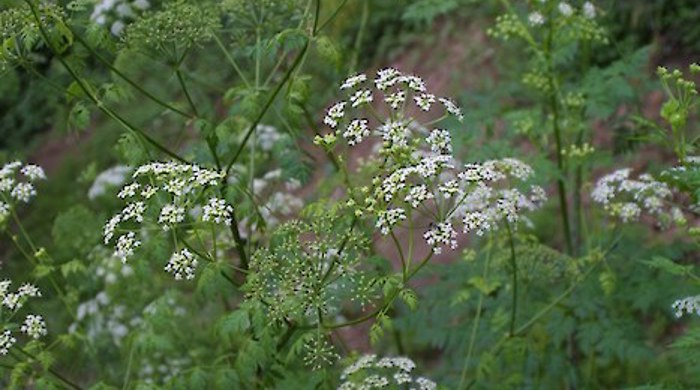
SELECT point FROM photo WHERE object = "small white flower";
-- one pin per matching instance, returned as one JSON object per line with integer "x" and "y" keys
{"x": 28, "y": 290}
{"x": 357, "y": 130}
{"x": 440, "y": 141}
{"x": 387, "y": 219}
{"x": 4, "y": 211}
{"x": 34, "y": 326}
{"x": 128, "y": 191}
{"x": 353, "y": 81}
{"x": 415, "y": 83}
{"x": 395, "y": 133}
{"x": 110, "y": 227}
{"x": 23, "y": 192}
{"x": 5, "y": 287}
{"x": 9, "y": 168}
{"x": 6, "y": 342}
{"x": 216, "y": 210}
{"x": 417, "y": 195}
{"x": 125, "y": 246}
{"x": 431, "y": 166}
{"x": 689, "y": 305}
{"x": 335, "y": 113}
{"x": 441, "y": 235}
{"x": 424, "y": 101}
{"x": 113, "y": 176}
{"x": 452, "y": 108}
{"x": 12, "y": 301}
{"x": 386, "y": 78}
{"x": 363, "y": 96}
{"x": 133, "y": 211}
{"x": 117, "y": 28}
{"x": 477, "y": 221}
{"x": 565, "y": 9}
{"x": 33, "y": 172}
{"x": 171, "y": 215}
{"x": 125, "y": 11}
{"x": 6, "y": 184}
{"x": 206, "y": 177}
{"x": 182, "y": 264}
{"x": 176, "y": 186}
{"x": 141, "y": 4}
{"x": 148, "y": 191}
{"x": 425, "y": 384}
{"x": 395, "y": 100}
{"x": 589, "y": 10}
{"x": 449, "y": 188}
{"x": 536, "y": 19}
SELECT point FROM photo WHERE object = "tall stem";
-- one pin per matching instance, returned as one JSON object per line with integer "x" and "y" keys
{"x": 477, "y": 319}
{"x": 554, "y": 109}
{"x": 514, "y": 269}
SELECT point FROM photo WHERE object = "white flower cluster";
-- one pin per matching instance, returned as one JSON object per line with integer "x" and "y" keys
{"x": 116, "y": 14}
{"x": 588, "y": 10}
{"x": 16, "y": 185}
{"x": 416, "y": 168}
{"x": 267, "y": 136}
{"x": 33, "y": 325}
{"x": 477, "y": 197}
{"x": 368, "y": 372}
{"x": 182, "y": 264}
{"x": 396, "y": 89}
{"x": 98, "y": 318}
{"x": 175, "y": 191}
{"x": 112, "y": 177}
{"x": 688, "y": 305}
{"x": 626, "y": 198}
{"x": 536, "y": 19}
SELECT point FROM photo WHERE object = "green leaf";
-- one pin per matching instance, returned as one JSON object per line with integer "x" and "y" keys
{"x": 79, "y": 116}
{"x": 607, "y": 281}
{"x": 668, "y": 265}
{"x": 74, "y": 266}
{"x": 76, "y": 230}
{"x": 227, "y": 378}
{"x": 461, "y": 297}
{"x": 375, "y": 333}
{"x": 391, "y": 284}
{"x": 409, "y": 297}
{"x": 328, "y": 51}
{"x": 198, "y": 379}
{"x": 485, "y": 286}
{"x": 43, "y": 270}
{"x": 233, "y": 323}
{"x": 131, "y": 149}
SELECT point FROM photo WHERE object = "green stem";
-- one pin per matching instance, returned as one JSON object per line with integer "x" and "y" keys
{"x": 401, "y": 255}
{"x": 514, "y": 268}
{"x": 387, "y": 303}
{"x": 477, "y": 319}
{"x": 554, "y": 108}
{"x": 186, "y": 91}
{"x": 124, "y": 77}
{"x": 333, "y": 15}
{"x": 230, "y": 59}
{"x": 266, "y": 107}
{"x": 358, "y": 39}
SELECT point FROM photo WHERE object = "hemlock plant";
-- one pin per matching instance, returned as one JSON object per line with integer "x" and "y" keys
{"x": 241, "y": 240}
